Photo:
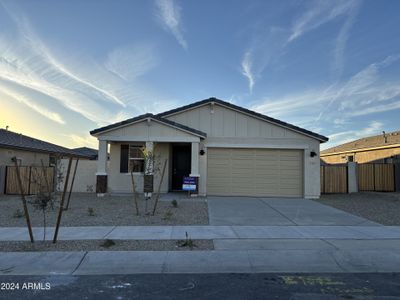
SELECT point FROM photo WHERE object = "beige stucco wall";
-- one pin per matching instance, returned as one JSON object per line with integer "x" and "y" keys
{"x": 121, "y": 182}
{"x": 28, "y": 158}
{"x": 85, "y": 178}
{"x": 228, "y": 128}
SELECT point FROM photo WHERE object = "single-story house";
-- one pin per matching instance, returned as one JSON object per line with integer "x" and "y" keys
{"x": 232, "y": 151}
{"x": 383, "y": 148}
{"x": 29, "y": 152}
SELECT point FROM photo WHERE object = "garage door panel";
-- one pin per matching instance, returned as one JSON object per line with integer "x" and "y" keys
{"x": 255, "y": 172}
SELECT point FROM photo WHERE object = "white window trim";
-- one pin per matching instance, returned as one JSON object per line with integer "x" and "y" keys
{"x": 134, "y": 158}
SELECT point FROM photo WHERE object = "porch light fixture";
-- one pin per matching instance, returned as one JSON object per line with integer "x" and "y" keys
{"x": 313, "y": 153}
{"x": 202, "y": 152}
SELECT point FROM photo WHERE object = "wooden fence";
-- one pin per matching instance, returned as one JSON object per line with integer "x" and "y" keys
{"x": 376, "y": 177}
{"x": 32, "y": 179}
{"x": 333, "y": 179}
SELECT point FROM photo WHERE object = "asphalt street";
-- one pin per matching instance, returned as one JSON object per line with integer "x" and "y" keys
{"x": 205, "y": 286}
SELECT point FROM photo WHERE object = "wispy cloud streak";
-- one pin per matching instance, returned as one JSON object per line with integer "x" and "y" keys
{"x": 45, "y": 112}
{"x": 247, "y": 69}
{"x": 364, "y": 93}
{"x": 169, "y": 13}
{"x": 319, "y": 13}
{"x": 99, "y": 91}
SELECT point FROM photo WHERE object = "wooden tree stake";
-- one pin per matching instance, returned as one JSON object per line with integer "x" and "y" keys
{"x": 28, "y": 221}
{"x": 72, "y": 183}
{"x": 62, "y": 201}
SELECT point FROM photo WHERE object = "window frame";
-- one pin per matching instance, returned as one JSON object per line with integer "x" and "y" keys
{"x": 139, "y": 147}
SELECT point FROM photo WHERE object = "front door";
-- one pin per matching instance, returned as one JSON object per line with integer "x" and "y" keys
{"x": 181, "y": 160}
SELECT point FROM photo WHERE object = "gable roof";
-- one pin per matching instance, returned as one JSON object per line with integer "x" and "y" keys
{"x": 13, "y": 140}
{"x": 246, "y": 111}
{"x": 380, "y": 140}
{"x": 90, "y": 152}
{"x": 149, "y": 116}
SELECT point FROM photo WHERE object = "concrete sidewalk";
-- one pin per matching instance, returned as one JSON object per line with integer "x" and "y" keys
{"x": 206, "y": 232}
{"x": 217, "y": 261}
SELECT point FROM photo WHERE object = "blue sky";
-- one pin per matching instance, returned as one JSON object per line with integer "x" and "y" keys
{"x": 67, "y": 67}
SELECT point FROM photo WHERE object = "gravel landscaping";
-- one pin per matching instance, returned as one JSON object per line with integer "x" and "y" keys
{"x": 89, "y": 210}
{"x": 383, "y": 208}
{"x": 107, "y": 245}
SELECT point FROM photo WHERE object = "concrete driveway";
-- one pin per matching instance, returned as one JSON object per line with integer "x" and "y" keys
{"x": 277, "y": 211}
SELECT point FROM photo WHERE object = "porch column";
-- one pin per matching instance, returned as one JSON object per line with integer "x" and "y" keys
{"x": 101, "y": 174}
{"x": 195, "y": 166}
{"x": 149, "y": 167}
{"x": 149, "y": 171}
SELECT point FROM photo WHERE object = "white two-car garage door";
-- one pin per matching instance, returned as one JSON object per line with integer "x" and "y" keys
{"x": 254, "y": 172}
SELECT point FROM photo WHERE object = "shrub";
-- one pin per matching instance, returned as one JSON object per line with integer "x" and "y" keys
{"x": 107, "y": 243}
{"x": 18, "y": 214}
{"x": 90, "y": 211}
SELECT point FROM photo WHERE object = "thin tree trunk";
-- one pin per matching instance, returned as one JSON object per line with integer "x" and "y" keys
{"x": 159, "y": 187}
{"x": 135, "y": 195}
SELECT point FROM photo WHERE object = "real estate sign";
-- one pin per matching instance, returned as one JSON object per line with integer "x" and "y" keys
{"x": 189, "y": 184}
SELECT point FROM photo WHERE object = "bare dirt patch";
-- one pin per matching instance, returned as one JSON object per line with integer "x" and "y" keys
{"x": 383, "y": 208}
{"x": 89, "y": 210}
{"x": 106, "y": 245}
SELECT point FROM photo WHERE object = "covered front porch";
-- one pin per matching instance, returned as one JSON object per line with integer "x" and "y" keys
{"x": 178, "y": 148}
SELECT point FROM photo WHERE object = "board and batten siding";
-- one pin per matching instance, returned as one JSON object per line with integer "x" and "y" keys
{"x": 227, "y": 128}
{"x": 225, "y": 122}
{"x": 148, "y": 131}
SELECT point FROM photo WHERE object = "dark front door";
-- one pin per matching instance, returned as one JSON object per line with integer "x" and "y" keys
{"x": 181, "y": 159}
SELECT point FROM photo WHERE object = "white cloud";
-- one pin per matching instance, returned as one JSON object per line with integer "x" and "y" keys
{"x": 319, "y": 13}
{"x": 247, "y": 71}
{"x": 95, "y": 90}
{"x": 338, "y": 138}
{"x": 83, "y": 141}
{"x": 53, "y": 116}
{"x": 364, "y": 93}
{"x": 131, "y": 62}
{"x": 169, "y": 14}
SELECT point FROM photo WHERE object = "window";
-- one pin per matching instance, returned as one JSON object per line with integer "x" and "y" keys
{"x": 350, "y": 158}
{"x": 136, "y": 159}
{"x": 132, "y": 159}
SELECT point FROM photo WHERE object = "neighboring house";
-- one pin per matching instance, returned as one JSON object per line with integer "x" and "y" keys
{"x": 29, "y": 152}
{"x": 231, "y": 150}
{"x": 381, "y": 148}
{"x": 89, "y": 152}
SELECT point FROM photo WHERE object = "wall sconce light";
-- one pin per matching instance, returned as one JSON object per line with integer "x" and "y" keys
{"x": 313, "y": 153}
{"x": 202, "y": 152}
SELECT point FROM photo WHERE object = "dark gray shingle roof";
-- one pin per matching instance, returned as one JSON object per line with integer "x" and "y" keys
{"x": 13, "y": 140}
{"x": 387, "y": 139}
{"x": 87, "y": 151}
